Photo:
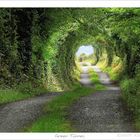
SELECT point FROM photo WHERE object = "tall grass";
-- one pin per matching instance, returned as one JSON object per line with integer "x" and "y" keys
{"x": 131, "y": 95}
{"x": 19, "y": 92}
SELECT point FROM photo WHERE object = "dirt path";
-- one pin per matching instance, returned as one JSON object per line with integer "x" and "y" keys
{"x": 102, "y": 111}
{"x": 85, "y": 77}
{"x": 15, "y": 116}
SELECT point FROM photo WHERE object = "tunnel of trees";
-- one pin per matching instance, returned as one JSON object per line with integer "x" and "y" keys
{"x": 38, "y": 50}
{"x": 39, "y": 45}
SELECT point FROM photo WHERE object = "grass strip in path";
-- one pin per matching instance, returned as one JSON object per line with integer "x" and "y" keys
{"x": 94, "y": 77}
{"x": 55, "y": 117}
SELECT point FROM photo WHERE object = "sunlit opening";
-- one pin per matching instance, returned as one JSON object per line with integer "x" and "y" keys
{"x": 84, "y": 55}
{"x": 87, "y": 50}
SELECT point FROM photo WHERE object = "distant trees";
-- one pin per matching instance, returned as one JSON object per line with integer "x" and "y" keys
{"x": 82, "y": 57}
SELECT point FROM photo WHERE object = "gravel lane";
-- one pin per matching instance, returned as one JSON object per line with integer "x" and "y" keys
{"x": 85, "y": 77}
{"x": 15, "y": 116}
{"x": 102, "y": 111}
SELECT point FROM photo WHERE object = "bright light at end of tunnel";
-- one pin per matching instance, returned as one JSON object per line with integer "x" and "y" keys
{"x": 85, "y": 49}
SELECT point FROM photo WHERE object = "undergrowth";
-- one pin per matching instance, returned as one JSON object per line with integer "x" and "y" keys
{"x": 114, "y": 70}
{"x": 131, "y": 95}
{"x": 19, "y": 92}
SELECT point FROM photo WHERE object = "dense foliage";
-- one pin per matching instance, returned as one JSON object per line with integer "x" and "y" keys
{"x": 39, "y": 45}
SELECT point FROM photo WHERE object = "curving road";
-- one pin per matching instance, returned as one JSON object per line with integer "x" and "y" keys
{"x": 102, "y": 111}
